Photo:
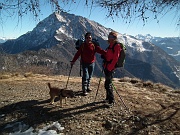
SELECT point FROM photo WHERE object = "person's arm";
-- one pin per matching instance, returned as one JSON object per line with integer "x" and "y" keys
{"x": 100, "y": 50}
{"x": 76, "y": 56}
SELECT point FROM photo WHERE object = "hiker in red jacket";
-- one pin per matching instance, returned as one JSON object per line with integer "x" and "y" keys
{"x": 87, "y": 52}
{"x": 111, "y": 58}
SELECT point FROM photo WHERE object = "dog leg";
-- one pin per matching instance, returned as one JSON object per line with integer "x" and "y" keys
{"x": 65, "y": 99}
{"x": 52, "y": 100}
{"x": 61, "y": 101}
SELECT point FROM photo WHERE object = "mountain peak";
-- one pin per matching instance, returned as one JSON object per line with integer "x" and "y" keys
{"x": 61, "y": 16}
{"x": 146, "y": 37}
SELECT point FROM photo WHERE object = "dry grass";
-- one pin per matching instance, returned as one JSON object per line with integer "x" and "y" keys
{"x": 29, "y": 74}
{"x": 25, "y": 98}
{"x": 128, "y": 79}
{"x": 149, "y": 84}
{"x": 5, "y": 75}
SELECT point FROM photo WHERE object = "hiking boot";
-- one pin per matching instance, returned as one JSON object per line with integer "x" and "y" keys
{"x": 106, "y": 100}
{"x": 110, "y": 104}
{"x": 85, "y": 93}
{"x": 89, "y": 90}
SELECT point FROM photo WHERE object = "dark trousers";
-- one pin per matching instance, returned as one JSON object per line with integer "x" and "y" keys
{"x": 108, "y": 85}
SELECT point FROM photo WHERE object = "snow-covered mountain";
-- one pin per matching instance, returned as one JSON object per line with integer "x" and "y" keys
{"x": 54, "y": 38}
{"x": 171, "y": 45}
{"x": 3, "y": 39}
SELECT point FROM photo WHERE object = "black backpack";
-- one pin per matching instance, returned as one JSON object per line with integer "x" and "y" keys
{"x": 122, "y": 56}
{"x": 80, "y": 41}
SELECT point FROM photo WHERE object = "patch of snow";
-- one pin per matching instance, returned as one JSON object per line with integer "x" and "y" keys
{"x": 60, "y": 18}
{"x": 177, "y": 73}
{"x": 178, "y": 54}
{"x": 44, "y": 30}
{"x": 134, "y": 43}
{"x": 22, "y": 129}
{"x": 163, "y": 43}
{"x": 169, "y": 48}
{"x": 4, "y": 39}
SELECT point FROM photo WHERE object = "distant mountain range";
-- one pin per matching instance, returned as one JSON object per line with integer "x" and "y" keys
{"x": 3, "y": 39}
{"x": 170, "y": 45}
{"x": 51, "y": 45}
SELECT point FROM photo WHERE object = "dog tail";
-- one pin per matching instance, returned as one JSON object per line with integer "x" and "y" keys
{"x": 49, "y": 85}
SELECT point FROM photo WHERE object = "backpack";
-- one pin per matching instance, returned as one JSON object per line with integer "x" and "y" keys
{"x": 80, "y": 41}
{"x": 95, "y": 42}
{"x": 122, "y": 56}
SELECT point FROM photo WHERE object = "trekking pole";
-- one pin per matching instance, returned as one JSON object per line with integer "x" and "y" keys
{"x": 80, "y": 68}
{"x": 68, "y": 76}
{"x": 121, "y": 99}
{"x": 98, "y": 84}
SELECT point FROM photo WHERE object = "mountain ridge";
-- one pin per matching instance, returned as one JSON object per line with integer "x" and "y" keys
{"x": 170, "y": 45}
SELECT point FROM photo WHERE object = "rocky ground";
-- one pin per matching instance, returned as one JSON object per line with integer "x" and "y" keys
{"x": 150, "y": 109}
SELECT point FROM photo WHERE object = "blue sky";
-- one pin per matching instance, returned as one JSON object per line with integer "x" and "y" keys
{"x": 166, "y": 27}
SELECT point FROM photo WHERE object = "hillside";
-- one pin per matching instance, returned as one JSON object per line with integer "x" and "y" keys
{"x": 154, "y": 108}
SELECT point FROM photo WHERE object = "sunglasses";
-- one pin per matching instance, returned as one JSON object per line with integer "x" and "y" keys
{"x": 88, "y": 37}
{"x": 111, "y": 36}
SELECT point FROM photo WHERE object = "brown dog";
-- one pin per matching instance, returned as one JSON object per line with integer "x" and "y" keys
{"x": 61, "y": 93}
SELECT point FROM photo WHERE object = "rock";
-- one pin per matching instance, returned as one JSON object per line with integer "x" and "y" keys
{"x": 108, "y": 125}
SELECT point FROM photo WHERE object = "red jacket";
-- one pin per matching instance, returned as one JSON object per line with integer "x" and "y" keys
{"x": 112, "y": 56}
{"x": 87, "y": 52}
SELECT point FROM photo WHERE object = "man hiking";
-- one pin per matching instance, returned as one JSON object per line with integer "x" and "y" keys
{"x": 87, "y": 52}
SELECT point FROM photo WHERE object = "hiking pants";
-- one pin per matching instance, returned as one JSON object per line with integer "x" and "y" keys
{"x": 88, "y": 70}
{"x": 108, "y": 85}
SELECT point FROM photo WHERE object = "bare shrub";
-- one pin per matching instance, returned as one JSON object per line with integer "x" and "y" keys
{"x": 29, "y": 74}
{"x": 176, "y": 91}
{"x": 139, "y": 84}
{"x": 125, "y": 79}
{"x": 127, "y": 10}
{"x": 5, "y": 76}
{"x": 135, "y": 80}
{"x": 157, "y": 85}
{"x": 38, "y": 70}
{"x": 164, "y": 89}
{"x": 148, "y": 84}
{"x": 161, "y": 87}
{"x": 16, "y": 74}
